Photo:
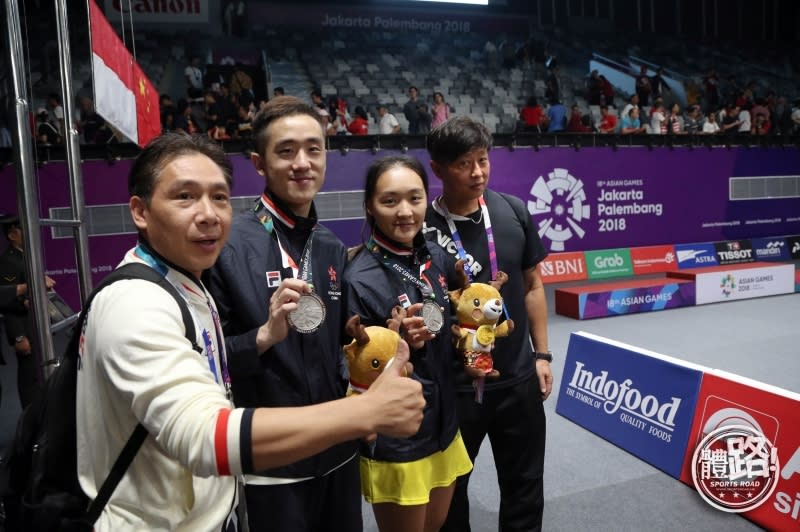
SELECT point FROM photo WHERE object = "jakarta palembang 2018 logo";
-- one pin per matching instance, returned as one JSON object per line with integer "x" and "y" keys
{"x": 728, "y": 284}
{"x": 735, "y": 468}
{"x": 562, "y": 199}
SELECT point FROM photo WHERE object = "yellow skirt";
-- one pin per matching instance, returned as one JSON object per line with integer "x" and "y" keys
{"x": 410, "y": 483}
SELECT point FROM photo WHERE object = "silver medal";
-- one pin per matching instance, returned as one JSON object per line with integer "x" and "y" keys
{"x": 432, "y": 316}
{"x": 309, "y": 314}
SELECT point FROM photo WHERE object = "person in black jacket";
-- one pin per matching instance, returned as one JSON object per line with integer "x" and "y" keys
{"x": 408, "y": 481}
{"x": 279, "y": 260}
{"x": 19, "y": 327}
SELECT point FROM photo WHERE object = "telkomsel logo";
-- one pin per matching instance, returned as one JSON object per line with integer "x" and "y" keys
{"x": 735, "y": 468}
{"x": 562, "y": 199}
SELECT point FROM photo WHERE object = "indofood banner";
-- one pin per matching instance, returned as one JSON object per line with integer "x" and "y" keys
{"x": 592, "y": 199}
{"x": 638, "y": 400}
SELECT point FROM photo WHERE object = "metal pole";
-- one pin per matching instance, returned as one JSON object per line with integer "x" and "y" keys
{"x": 27, "y": 193}
{"x": 73, "y": 155}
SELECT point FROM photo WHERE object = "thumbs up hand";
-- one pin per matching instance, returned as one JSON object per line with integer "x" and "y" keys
{"x": 397, "y": 401}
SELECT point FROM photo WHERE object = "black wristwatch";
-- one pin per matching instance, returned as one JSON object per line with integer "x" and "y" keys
{"x": 548, "y": 356}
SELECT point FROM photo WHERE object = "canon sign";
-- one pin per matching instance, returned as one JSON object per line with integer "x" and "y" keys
{"x": 160, "y": 11}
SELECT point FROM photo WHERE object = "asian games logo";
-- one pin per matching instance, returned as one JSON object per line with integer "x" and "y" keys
{"x": 560, "y": 201}
{"x": 735, "y": 467}
{"x": 728, "y": 285}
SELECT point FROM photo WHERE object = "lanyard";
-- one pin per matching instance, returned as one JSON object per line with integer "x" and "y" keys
{"x": 487, "y": 224}
{"x": 152, "y": 261}
{"x": 374, "y": 245}
{"x": 303, "y": 271}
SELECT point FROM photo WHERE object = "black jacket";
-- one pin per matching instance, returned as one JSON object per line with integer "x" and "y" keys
{"x": 12, "y": 272}
{"x": 373, "y": 291}
{"x": 302, "y": 369}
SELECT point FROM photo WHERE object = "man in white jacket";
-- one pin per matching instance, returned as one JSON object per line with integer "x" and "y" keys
{"x": 138, "y": 367}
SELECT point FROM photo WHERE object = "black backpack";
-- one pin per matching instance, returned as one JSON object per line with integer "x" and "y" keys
{"x": 44, "y": 493}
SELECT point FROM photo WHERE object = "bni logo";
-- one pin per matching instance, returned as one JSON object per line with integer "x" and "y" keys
{"x": 559, "y": 201}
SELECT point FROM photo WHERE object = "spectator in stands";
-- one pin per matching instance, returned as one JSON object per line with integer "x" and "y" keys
{"x": 212, "y": 111}
{"x": 185, "y": 120}
{"x": 745, "y": 98}
{"x": 761, "y": 125}
{"x": 675, "y": 120}
{"x": 425, "y": 119}
{"x": 244, "y": 125}
{"x": 643, "y": 87}
{"x": 360, "y": 124}
{"x": 533, "y": 117}
{"x": 745, "y": 120}
{"x": 411, "y": 110}
{"x": 633, "y": 101}
{"x": 760, "y": 108}
{"x": 658, "y": 119}
{"x": 556, "y": 117}
{"x": 440, "y": 110}
{"x": 46, "y": 132}
{"x": 339, "y": 114}
{"x": 693, "y": 122}
{"x": 387, "y": 123}
{"x": 711, "y": 126}
{"x": 730, "y": 90}
{"x": 56, "y": 112}
{"x": 5, "y": 133}
{"x": 781, "y": 117}
{"x": 608, "y": 122}
{"x": 594, "y": 89}
{"x": 795, "y": 116}
{"x": 316, "y": 99}
{"x": 277, "y": 91}
{"x": 165, "y": 103}
{"x": 241, "y": 84}
{"x": 711, "y": 87}
{"x": 631, "y": 124}
{"x": 490, "y": 51}
{"x": 552, "y": 86}
{"x": 327, "y": 126}
{"x": 168, "y": 119}
{"x": 92, "y": 126}
{"x": 218, "y": 131}
{"x": 658, "y": 84}
{"x": 194, "y": 79}
{"x": 576, "y": 122}
{"x": 606, "y": 92}
{"x": 730, "y": 119}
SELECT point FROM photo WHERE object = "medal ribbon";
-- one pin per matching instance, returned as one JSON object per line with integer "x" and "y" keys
{"x": 376, "y": 242}
{"x": 303, "y": 271}
{"x": 143, "y": 253}
{"x": 487, "y": 224}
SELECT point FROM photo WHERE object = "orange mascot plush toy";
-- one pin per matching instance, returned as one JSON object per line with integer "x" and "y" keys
{"x": 371, "y": 349}
{"x": 478, "y": 307}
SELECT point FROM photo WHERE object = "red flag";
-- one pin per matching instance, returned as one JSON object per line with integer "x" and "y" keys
{"x": 124, "y": 96}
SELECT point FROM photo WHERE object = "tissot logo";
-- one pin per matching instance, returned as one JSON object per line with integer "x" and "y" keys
{"x": 733, "y": 252}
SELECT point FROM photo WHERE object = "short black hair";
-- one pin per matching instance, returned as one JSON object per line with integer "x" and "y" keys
{"x": 279, "y": 107}
{"x": 164, "y": 149}
{"x": 455, "y": 137}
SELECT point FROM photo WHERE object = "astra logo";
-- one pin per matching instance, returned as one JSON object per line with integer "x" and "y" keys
{"x": 559, "y": 207}
{"x": 624, "y": 396}
{"x": 694, "y": 254}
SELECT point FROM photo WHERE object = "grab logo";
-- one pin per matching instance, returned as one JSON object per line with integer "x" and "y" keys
{"x": 560, "y": 205}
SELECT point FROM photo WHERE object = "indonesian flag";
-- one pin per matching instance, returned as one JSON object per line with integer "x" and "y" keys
{"x": 123, "y": 95}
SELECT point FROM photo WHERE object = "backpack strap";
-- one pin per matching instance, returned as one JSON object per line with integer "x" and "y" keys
{"x": 131, "y": 270}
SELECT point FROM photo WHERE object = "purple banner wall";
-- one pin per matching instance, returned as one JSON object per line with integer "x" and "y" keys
{"x": 595, "y": 198}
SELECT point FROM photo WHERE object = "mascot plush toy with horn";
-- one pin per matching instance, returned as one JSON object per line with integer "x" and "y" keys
{"x": 371, "y": 349}
{"x": 478, "y": 308}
